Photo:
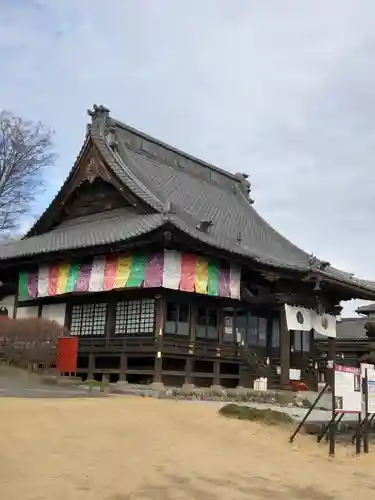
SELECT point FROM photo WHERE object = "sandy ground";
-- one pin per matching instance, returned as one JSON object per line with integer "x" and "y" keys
{"x": 134, "y": 448}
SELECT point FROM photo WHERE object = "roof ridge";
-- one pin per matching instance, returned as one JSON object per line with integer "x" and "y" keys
{"x": 173, "y": 149}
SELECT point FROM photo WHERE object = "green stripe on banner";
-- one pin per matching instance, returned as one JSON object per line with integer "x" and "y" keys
{"x": 72, "y": 277}
{"x": 137, "y": 270}
{"x": 213, "y": 278}
{"x": 23, "y": 285}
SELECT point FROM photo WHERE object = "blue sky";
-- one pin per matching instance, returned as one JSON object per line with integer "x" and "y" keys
{"x": 284, "y": 90}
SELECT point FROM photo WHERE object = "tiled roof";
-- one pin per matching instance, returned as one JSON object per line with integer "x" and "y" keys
{"x": 348, "y": 329}
{"x": 184, "y": 190}
{"x": 99, "y": 229}
{"x": 351, "y": 328}
{"x": 231, "y": 213}
{"x": 367, "y": 309}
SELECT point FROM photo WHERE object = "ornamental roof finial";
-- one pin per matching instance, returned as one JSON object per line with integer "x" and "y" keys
{"x": 98, "y": 112}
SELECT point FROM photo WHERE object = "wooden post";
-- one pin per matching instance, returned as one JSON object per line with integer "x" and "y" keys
{"x": 159, "y": 324}
{"x": 193, "y": 321}
{"x": 284, "y": 350}
{"x": 158, "y": 367}
{"x": 217, "y": 372}
{"x": 90, "y": 374}
{"x": 188, "y": 370}
{"x": 123, "y": 367}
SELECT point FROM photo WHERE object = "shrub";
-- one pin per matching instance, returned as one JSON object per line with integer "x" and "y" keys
{"x": 298, "y": 385}
{"x": 30, "y": 341}
{"x": 267, "y": 416}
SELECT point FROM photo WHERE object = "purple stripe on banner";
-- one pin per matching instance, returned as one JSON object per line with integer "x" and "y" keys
{"x": 83, "y": 281}
{"x": 32, "y": 285}
{"x": 154, "y": 271}
{"x": 224, "y": 282}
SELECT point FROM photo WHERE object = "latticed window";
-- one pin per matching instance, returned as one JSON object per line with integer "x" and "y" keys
{"x": 88, "y": 319}
{"x": 135, "y": 317}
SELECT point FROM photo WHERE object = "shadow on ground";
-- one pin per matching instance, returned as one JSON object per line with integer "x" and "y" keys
{"x": 205, "y": 488}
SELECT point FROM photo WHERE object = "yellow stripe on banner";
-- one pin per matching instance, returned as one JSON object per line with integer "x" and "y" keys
{"x": 122, "y": 271}
{"x": 63, "y": 278}
{"x": 201, "y": 276}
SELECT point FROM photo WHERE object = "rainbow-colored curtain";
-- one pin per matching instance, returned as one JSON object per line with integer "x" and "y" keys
{"x": 169, "y": 269}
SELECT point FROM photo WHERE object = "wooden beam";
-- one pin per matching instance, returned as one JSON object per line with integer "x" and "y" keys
{"x": 284, "y": 350}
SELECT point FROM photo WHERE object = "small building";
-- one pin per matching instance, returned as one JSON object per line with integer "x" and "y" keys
{"x": 162, "y": 267}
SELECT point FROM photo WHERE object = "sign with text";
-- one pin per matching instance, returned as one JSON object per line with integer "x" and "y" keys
{"x": 348, "y": 393}
{"x": 371, "y": 390}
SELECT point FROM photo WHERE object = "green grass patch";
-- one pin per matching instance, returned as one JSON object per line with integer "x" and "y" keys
{"x": 266, "y": 416}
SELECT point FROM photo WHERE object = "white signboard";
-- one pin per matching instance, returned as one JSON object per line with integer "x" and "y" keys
{"x": 348, "y": 391}
{"x": 371, "y": 390}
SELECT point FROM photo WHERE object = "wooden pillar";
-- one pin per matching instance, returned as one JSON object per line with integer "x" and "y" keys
{"x": 90, "y": 374}
{"x": 158, "y": 367}
{"x": 14, "y": 315}
{"x": 188, "y": 370}
{"x": 159, "y": 327}
{"x": 193, "y": 321}
{"x": 123, "y": 367}
{"x": 217, "y": 372}
{"x": 284, "y": 350}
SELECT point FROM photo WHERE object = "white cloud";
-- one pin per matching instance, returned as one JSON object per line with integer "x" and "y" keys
{"x": 282, "y": 90}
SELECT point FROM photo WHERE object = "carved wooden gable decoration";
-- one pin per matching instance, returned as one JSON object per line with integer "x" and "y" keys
{"x": 90, "y": 188}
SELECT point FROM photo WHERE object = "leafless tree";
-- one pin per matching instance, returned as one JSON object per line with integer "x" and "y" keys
{"x": 26, "y": 150}
{"x": 31, "y": 341}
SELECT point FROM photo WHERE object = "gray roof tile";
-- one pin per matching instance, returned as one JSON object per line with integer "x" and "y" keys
{"x": 229, "y": 211}
{"x": 348, "y": 329}
{"x": 100, "y": 229}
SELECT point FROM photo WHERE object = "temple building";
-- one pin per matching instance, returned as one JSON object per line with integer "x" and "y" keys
{"x": 162, "y": 267}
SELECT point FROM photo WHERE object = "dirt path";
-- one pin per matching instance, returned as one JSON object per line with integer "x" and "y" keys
{"x": 133, "y": 448}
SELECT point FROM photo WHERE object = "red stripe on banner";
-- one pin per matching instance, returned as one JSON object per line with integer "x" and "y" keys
{"x": 67, "y": 352}
{"x": 110, "y": 268}
{"x": 188, "y": 270}
{"x": 53, "y": 279}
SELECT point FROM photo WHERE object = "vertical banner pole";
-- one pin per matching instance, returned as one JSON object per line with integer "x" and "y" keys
{"x": 332, "y": 361}
{"x": 366, "y": 422}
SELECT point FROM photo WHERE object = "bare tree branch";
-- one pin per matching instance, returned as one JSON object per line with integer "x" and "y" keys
{"x": 26, "y": 151}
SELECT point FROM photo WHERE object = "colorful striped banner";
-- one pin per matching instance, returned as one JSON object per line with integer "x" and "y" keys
{"x": 169, "y": 269}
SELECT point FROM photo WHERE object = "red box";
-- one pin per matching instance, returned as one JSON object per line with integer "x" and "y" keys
{"x": 67, "y": 353}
